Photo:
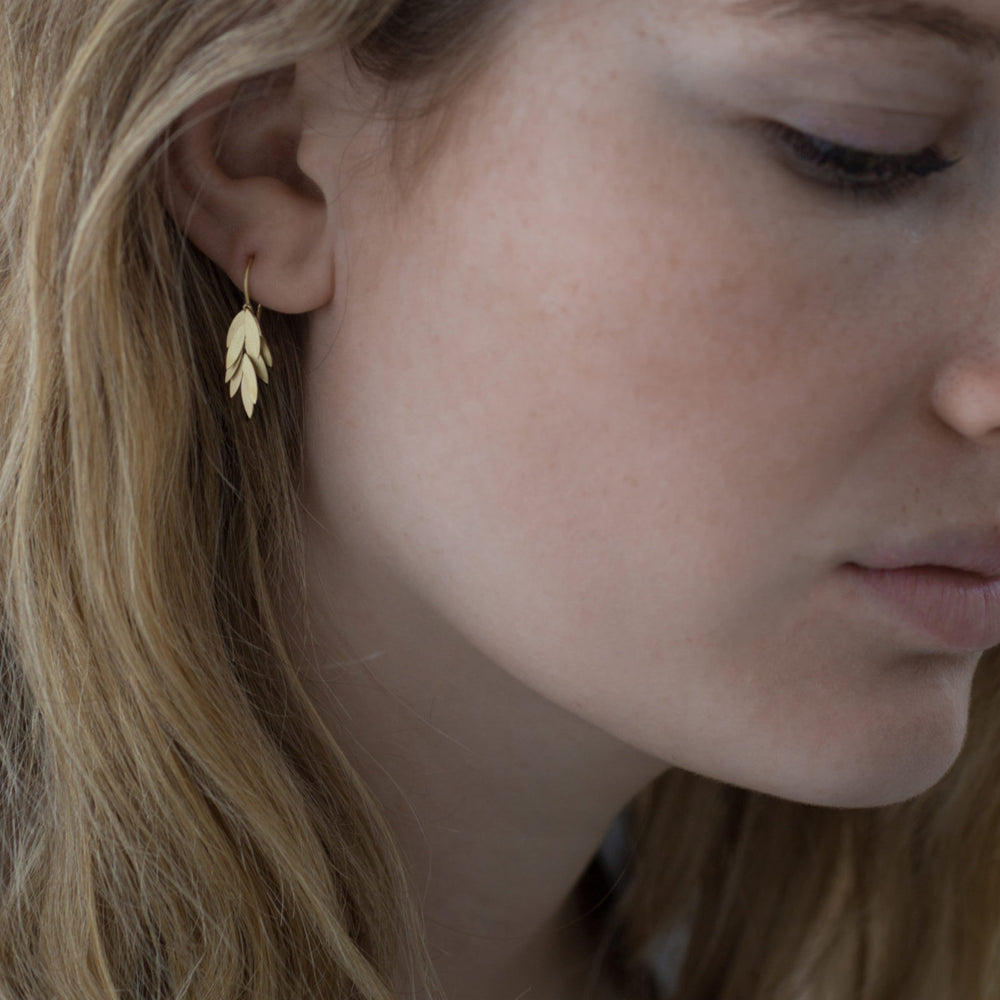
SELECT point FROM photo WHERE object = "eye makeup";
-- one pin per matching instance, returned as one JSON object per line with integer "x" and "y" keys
{"x": 867, "y": 176}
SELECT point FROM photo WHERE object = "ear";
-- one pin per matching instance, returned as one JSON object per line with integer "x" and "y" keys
{"x": 232, "y": 182}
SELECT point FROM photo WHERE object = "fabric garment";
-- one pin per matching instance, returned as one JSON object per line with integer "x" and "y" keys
{"x": 665, "y": 953}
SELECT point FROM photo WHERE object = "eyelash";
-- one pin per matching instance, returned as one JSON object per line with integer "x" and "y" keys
{"x": 842, "y": 168}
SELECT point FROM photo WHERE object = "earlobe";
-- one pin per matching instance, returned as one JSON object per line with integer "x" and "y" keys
{"x": 232, "y": 183}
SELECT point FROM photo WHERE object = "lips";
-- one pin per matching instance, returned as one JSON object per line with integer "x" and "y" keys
{"x": 945, "y": 589}
{"x": 974, "y": 551}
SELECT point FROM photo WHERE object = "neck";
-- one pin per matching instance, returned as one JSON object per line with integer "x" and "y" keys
{"x": 498, "y": 798}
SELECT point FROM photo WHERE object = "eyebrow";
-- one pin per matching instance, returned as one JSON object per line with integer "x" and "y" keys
{"x": 974, "y": 37}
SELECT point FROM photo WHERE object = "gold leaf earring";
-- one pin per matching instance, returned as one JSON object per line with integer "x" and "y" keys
{"x": 247, "y": 355}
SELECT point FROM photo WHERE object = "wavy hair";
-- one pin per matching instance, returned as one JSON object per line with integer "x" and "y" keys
{"x": 176, "y": 821}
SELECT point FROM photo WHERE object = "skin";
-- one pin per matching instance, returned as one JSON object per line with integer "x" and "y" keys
{"x": 597, "y": 408}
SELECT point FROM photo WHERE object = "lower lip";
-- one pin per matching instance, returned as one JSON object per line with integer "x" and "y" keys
{"x": 950, "y": 607}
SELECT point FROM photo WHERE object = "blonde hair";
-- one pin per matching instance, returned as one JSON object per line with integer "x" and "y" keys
{"x": 176, "y": 819}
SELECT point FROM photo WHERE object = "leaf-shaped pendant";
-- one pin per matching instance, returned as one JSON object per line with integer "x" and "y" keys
{"x": 248, "y": 385}
{"x": 243, "y": 330}
{"x": 253, "y": 333}
{"x": 248, "y": 356}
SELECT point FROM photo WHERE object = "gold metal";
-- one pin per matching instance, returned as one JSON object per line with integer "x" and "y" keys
{"x": 247, "y": 355}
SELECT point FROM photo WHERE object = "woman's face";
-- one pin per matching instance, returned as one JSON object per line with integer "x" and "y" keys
{"x": 614, "y": 392}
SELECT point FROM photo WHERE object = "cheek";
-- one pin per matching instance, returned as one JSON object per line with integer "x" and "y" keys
{"x": 601, "y": 393}
{"x": 583, "y": 428}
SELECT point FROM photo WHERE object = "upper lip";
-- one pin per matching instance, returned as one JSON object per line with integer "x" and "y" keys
{"x": 970, "y": 550}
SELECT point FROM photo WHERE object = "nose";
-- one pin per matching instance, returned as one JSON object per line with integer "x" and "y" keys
{"x": 967, "y": 397}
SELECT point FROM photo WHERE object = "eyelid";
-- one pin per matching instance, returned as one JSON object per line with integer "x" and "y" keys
{"x": 887, "y": 130}
{"x": 778, "y": 130}
{"x": 870, "y": 177}
{"x": 880, "y": 147}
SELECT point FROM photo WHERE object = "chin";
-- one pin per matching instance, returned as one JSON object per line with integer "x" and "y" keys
{"x": 878, "y": 768}
{"x": 897, "y": 750}
{"x": 903, "y": 774}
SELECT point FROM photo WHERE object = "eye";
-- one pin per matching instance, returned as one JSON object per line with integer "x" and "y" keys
{"x": 867, "y": 176}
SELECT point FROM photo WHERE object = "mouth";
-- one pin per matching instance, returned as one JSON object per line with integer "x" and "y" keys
{"x": 955, "y": 608}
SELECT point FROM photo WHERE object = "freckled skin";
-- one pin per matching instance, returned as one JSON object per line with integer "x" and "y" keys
{"x": 609, "y": 398}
